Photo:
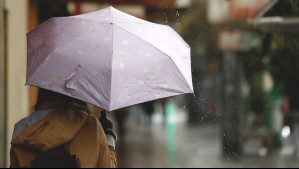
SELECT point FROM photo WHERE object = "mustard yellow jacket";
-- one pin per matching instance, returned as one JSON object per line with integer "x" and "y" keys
{"x": 82, "y": 133}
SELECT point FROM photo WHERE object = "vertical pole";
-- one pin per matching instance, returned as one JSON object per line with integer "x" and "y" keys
{"x": 3, "y": 135}
{"x": 230, "y": 125}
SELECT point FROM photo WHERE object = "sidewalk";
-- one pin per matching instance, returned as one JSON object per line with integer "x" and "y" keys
{"x": 175, "y": 144}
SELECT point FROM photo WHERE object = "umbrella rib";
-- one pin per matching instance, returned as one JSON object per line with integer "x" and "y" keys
{"x": 185, "y": 80}
{"x": 112, "y": 32}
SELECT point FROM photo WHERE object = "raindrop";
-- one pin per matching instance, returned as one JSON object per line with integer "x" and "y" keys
{"x": 178, "y": 19}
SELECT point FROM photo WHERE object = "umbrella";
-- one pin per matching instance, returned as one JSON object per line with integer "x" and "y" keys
{"x": 108, "y": 58}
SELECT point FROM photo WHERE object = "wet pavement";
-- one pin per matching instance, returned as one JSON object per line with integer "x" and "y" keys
{"x": 173, "y": 143}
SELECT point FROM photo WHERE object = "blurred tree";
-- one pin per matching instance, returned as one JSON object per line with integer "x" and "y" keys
{"x": 202, "y": 38}
{"x": 285, "y": 65}
{"x": 281, "y": 54}
{"x": 285, "y": 8}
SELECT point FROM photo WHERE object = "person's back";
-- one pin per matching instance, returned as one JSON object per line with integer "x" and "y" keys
{"x": 69, "y": 129}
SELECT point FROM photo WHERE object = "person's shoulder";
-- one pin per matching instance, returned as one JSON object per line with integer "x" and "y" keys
{"x": 20, "y": 125}
{"x": 29, "y": 120}
{"x": 23, "y": 121}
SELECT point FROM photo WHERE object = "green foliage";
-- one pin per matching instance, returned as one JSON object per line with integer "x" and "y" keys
{"x": 285, "y": 8}
{"x": 202, "y": 38}
{"x": 255, "y": 61}
{"x": 284, "y": 55}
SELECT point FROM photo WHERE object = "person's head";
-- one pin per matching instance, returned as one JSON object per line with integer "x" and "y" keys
{"x": 57, "y": 99}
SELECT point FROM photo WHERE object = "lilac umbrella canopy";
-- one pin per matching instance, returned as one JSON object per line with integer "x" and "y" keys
{"x": 109, "y": 59}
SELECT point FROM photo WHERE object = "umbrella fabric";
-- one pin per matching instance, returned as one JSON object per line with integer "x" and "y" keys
{"x": 108, "y": 58}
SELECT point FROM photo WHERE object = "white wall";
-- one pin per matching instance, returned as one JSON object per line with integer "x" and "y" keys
{"x": 17, "y": 93}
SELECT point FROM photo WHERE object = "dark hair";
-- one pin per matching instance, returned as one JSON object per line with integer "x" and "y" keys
{"x": 62, "y": 101}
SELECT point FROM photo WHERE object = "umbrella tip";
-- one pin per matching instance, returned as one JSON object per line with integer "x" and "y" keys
{"x": 111, "y": 7}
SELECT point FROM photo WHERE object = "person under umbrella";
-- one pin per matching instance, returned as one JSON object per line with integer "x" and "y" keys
{"x": 63, "y": 132}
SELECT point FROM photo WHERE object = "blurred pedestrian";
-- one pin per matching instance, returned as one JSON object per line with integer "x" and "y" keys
{"x": 63, "y": 132}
